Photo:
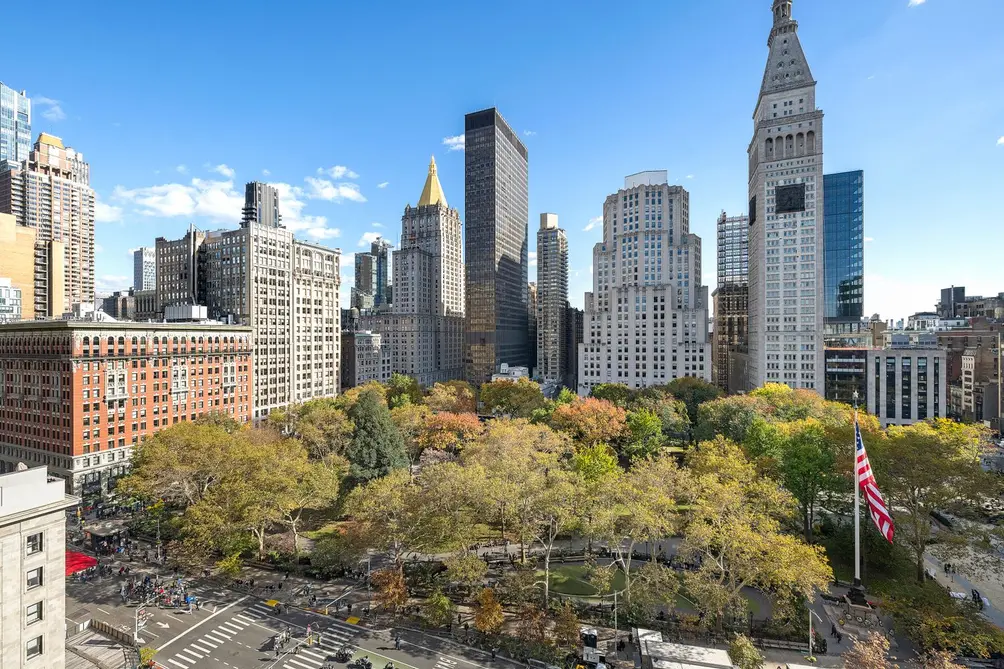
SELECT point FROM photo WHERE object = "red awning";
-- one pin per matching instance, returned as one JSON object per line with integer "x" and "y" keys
{"x": 78, "y": 562}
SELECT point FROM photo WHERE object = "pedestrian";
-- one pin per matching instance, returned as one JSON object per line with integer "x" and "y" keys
{"x": 840, "y": 637}
{"x": 833, "y": 630}
{"x": 280, "y": 585}
{"x": 493, "y": 652}
{"x": 397, "y": 643}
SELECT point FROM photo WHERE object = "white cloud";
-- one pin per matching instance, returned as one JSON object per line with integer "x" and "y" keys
{"x": 383, "y": 184}
{"x": 893, "y": 297}
{"x": 291, "y": 206}
{"x": 368, "y": 238}
{"x": 98, "y": 248}
{"x": 133, "y": 250}
{"x": 224, "y": 170}
{"x": 181, "y": 169}
{"x": 322, "y": 189}
{"x": 338, "y": 172}
{"x": 265, "y": 172}
{"x": 53, "y": 108}
{"x": 109, "y": 283}
{"x": 216, "y": 200}
{"x": 106, "y": 213}
{"x": 532, "y": 258}
{"x": 916, "y": 3}
{"x": 376, "y": 225}
{"x": 455, "y": 143}
{"x": 593, "y": 222}
{"x": 1000, "y": 141}
{"x": 869, "y": 239}
{"x": 529, "y": 133}
{"x": 690, "y": 176}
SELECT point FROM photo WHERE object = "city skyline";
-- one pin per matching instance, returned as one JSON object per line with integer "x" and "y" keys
{"x": 193, "y": 169}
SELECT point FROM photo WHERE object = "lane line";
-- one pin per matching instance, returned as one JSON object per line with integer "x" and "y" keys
{"x": 217, "y": 640}
{"x": 232, "y": 629}
{"x": 185, "y": 653}
{"x": 201, "y": 622}
{"x": 442, "y": 654}
{"x": 244, "y": 617}
{"x": 295, "y": 661}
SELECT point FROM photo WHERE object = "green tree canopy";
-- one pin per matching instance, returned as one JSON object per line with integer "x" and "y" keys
{"x": 615, "y": 393}
{"x": 377, "y": 447}
{"x": 515, "y": 399}
{"x": 403, "y": 390}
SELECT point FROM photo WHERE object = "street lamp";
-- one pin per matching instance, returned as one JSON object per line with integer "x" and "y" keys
{"x": 811, "y": 614}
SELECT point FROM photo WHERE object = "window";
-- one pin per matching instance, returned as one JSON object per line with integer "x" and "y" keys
{"x": 33, "y": 648}
{"x": 34, "y": 613}
{"x": 33, "y": 544}
{"x": 35, "y": 578}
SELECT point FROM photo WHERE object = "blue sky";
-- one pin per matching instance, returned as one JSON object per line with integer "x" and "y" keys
{"x": 343, "y": 103}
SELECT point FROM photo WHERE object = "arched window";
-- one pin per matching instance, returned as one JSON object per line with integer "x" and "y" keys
{"x": 810, "y": 142}
{"x": 799, "y": 144}
{"x": 770, "y": 148}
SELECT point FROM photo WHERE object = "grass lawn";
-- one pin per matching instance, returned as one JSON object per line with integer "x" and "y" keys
{"x": 571, "y": 580}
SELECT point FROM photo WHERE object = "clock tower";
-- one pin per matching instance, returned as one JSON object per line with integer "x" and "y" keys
{"x": 786, "y": 217}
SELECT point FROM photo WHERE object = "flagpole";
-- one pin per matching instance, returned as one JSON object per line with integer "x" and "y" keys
{"x": 857, "y": 501}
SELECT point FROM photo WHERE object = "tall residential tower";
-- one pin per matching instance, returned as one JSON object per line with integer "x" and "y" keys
{"x": 552, "y": 301}
{"x": 646, "y": 320}
{"x": 731, "y": 297}
{"x": 15, "y": 126}
{"x": 786, "y": 217}
{"x": 496, "y": 263}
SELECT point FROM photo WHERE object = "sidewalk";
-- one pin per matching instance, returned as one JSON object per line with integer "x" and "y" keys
{"x": 992, "y": 592}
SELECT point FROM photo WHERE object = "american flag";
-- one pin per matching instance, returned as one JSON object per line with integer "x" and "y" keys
{"x": 876, "y": 505}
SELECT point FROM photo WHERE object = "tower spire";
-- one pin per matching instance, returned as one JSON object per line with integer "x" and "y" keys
{"x": 782, "y": 11}
{"x": 433, "y": 191}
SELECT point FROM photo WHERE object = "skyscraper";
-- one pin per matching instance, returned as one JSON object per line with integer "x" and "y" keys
{"x": 15, "y": 126}
{"x": 786, "y": 217}
{"x": 731, "y": 297}
{"x": 496, "y": 206}
{"x": 364, "y": 288}
{"x": 531, "y": 325}
{"x": 424, "y": 328}
{"x": 646, "y": 320}
{"x": 380, "y": 250}
{"x": 844, "y": 232}
{"x": 144, "y": 268}
{"x": 51, "y": 193}
{"x": 261, "y": 205}
{"x": 552, "y": 300}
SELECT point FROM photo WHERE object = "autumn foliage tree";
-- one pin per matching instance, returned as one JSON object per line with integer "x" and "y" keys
{"x": 452, "y": 396}
{"x": 391, "y": 589}
{"x": 448, "y": 431}
{"x": 488, "y": 616}
{"x": 590, "y": 421}
{"x": 515, "y": 399}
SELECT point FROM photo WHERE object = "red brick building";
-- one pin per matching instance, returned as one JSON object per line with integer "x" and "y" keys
{"x": 78, "y": 396}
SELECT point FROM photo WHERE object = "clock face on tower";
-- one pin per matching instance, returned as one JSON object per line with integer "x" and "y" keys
{"x": 789, "y": 198}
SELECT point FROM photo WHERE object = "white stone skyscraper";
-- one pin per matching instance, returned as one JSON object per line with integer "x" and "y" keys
{"x": 786, "y": 217}
{"x": 425, "y": 325}
{"x": 646, "y": 320}
{"x": 552, "y": 300}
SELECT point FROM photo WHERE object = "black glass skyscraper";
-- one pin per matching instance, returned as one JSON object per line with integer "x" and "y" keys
{"x": 844, "y": 232}
{"x": 496, "y": 217}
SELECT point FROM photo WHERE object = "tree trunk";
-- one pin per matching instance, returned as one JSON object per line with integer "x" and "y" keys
{"x": 920, "y": 567}
{"x": 807, "y": 525}
{"x": 547, "y": 576}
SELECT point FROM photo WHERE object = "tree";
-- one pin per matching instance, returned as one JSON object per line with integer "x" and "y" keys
{"x": 146, "y": 655}
{"x": 377, "y": 447}
{"x": 734, "y": 532}
{"x": 641, "y": 507}
{"x": 410, "y": 421}
{"x": 322, "y": 427}
{"x": 452, "y": 396}
{"x": 348, "y": 398}
{"x": 388, "y": 515}
{"x": 531, "y": 624}
{"x": 566, "y": 627}
{"x": 937, "y": 659}
{"x": 220, "y": 419}
{"x": 590, "y": 421}
{"x": 438, "y": 609}
{"x": 744, "y": 654}
{"x": 448, "y": 431}
{"x": 403, "y": 390}
{"x": 515, "y": 399}
{"x": 546, "y": 509}
{"x": 933, "y": 467}
{"x": 672, "y": 412}
{"x": 693, "y": 392}
{"x": 468, "y": 569}
{"x": 595, "y": 463}
{"x": 646, "y": 434}
{"x": 180, "y": 464}
{"x": 615, "y": 393}
{"x": 488, "y": 612}
{"x": 391, "y": 589}
{"x": 304, "y": 485}
{"x": 870, "y": 653}
{"x": 500, "y": 461}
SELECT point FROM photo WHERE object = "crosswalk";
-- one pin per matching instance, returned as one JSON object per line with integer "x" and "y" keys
{"x": 198, "y": 652}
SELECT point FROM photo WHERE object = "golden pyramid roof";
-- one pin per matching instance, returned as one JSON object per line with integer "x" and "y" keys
{"x": 433, "y": 192}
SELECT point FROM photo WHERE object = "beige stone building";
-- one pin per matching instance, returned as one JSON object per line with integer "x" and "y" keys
{"x": 32, "y": 567}
{"x": 51, "y": 193}
{"x": 17, "y": 262}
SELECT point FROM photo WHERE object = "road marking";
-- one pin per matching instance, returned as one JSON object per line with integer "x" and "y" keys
{"x": 212, "y": 645}
{"x": 179, "y": 664}
{"x": 204, "y": 650}
{"x": 232, "y": 629}
{"x": 244, "y": 617}
{"x": 210, "y": 635}
{"x": 295, "y": 661}
{"x": 436, "y": 652}
{"x": 175, "y": 617}
{"x": 185, "y": 653}
{"x": 239, "y": 624}
{"x": 312, "y": 653}
{"x": 201, "y": 622}
{"x": 107, "y": 613}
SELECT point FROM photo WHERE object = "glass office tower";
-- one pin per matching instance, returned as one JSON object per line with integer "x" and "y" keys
{"x": 15, "y": 126}
{"x": 844, "y": 231}
{"x": 497, "y": 213}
